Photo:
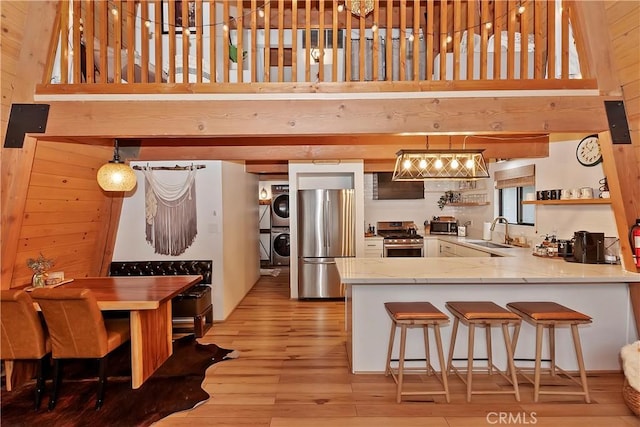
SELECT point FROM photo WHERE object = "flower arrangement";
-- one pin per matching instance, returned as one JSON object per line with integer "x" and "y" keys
{"x": 40, "y": 264}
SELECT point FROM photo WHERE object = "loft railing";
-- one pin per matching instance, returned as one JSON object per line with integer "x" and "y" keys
{"x": 220, "y": 45}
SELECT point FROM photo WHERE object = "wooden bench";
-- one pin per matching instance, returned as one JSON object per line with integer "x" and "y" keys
{"x": 195, "y": 302}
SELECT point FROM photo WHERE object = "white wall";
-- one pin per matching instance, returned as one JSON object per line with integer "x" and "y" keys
{"x": 559, "y": 170}
{"x": 241, "y": 257}
{"x": 227, "y": 216}
{"x": 562, "y": 170}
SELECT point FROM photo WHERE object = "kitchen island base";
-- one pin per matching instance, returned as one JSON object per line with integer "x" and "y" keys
{"x": 607, "y": 303}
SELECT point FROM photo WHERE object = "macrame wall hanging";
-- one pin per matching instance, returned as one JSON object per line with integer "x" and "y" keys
{"x": 170, "y": 210}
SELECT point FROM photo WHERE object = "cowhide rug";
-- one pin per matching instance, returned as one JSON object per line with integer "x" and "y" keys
{"x": 175, "y": 386}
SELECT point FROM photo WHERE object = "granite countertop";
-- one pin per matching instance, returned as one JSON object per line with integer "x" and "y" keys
{"x": 513, "y": 265}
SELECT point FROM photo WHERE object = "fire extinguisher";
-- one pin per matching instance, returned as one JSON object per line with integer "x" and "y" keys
{"x": 634, "y": 240}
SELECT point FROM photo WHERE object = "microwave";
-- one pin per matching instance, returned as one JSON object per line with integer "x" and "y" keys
{"x": 444, "y": 227}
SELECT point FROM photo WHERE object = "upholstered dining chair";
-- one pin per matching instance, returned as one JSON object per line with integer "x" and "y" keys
{"x": 23, "y": 336}
{"x": 78, "y": 331}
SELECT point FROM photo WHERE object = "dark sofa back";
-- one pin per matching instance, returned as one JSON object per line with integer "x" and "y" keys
{"x": 163, "y": 268}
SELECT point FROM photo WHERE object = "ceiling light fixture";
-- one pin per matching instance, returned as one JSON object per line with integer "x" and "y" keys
{"x": 417, "y": 165}
{"x": 116, "y": 175}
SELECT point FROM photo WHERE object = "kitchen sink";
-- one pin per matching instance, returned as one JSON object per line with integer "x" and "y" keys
{"x": 489, "y": 244}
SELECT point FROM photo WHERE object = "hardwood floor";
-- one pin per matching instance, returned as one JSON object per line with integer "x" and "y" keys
{"x": 293, "y": 372}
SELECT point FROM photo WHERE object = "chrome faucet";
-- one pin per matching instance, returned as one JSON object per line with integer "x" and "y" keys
{"x": 506, "y": 227}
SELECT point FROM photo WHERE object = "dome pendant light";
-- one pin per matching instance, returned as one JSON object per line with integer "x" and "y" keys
{"x": 116, "y": 175}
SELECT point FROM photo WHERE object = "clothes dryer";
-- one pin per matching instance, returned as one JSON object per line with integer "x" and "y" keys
{"x": 279, "y": 206}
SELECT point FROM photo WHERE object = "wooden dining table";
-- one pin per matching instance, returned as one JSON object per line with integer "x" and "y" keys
{"x": 148, "y": 301}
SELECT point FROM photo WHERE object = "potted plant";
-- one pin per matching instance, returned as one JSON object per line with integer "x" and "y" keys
{"x": 39, "y": 266}
{"x": 447, "y": 197}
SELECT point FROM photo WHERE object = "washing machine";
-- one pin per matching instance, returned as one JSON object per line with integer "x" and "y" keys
{"x": 280, "y": 206}
{"x": 280, "y": 246}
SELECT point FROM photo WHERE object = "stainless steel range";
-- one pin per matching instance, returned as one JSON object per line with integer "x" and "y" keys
{"x": 400, "y": 239}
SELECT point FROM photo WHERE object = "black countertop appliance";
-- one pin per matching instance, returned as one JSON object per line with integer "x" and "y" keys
{"x": 588, "y": 248}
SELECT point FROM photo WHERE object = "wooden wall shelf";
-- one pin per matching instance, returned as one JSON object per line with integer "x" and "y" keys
{"x": 569, "y": 202}
{"x": 468, "y": 204}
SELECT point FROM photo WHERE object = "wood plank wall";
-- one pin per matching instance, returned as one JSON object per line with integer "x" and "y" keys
{"x": 624, "y": 30}
{"x": 14, "y": 15}
{"x": 67, "y": 215}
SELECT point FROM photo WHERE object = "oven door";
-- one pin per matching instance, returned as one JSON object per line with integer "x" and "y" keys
{"x": 403, "y": 250}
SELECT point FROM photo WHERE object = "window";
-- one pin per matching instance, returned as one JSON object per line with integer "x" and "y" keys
{"x": 511, "y": 207}
{"x": 513, "y": 185}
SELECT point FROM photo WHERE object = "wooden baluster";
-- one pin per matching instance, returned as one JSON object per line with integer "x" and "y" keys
{"x": 89, "y": 40}
{"x": 564, "y": 41}
{"x": 457, "y": 24}
{"x": 240, "y": 41}
{"x": 484, "y": 41}
{"x": 254, "y": 42}
{"x": 200, "y": 44}
{"x": 551, "y": 41}
{"x": 524, "y": 43}
{"x": 280, "y": 41}
{"x": 129, "y": 20}
{"x": 429, "y": 52}
{"x": 471, "y": 36}
{"x": 144, "y": 42}
{"x": 511, "y": 39}
{"x": 416, "y": 40}
{"x": 403, "y": 39}
{"x": 497, "y": 40}
{"x": 443, "y": 34}
{"x": 213, "y": 30}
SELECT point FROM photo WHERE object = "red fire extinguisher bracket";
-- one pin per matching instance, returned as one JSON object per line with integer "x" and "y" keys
{"x": 634, "y": 241}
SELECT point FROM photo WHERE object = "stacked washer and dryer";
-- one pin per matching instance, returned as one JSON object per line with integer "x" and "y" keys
{"x": 280, "y": 225}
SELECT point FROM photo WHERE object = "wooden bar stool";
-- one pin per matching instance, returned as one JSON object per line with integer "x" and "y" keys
{"x": 415, "y": 314}
{"x": 549, "y": 315}
{"x": 485, "y": 314}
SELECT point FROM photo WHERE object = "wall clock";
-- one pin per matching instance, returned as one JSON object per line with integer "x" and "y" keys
{"x": 588, "y": 152}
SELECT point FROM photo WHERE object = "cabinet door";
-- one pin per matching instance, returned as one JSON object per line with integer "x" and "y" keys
{"x": 373, "y": 248}
{"x": 469, "y": 252}
{"x": 447, "y": 249}
{"x": 431, "y": 248}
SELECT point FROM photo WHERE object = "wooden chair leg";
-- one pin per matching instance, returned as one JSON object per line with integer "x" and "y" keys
{"x": 392, "y": 336}
{"x": 445, "y": 382}
{"x": 472, "y": 328}
{"x": 552, "y": 349}
{"x": 403, "y": 342}
{"x": 57, "y": 377}
{"x": 102, "y": 382}
{"x": 487, "y": 331}
{"x": 536, "y": 376}
{"x": 510, "y": 364}
{"x": 583, "y": 373}
{"x": 40, "y": 382}
{"x": 427, "y": 351}
{"x": 454, "y": 332}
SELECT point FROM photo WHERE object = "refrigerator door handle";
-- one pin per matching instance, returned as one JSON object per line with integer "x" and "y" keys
{"x": 327, "y": 225}
{"x": 315, "y": 261}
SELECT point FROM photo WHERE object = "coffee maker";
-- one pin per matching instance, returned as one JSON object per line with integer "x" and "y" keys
{"x": 588, "y": 248}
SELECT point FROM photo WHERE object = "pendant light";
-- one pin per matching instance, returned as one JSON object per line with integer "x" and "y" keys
{"x": 417, "y": 165}
{"x": 116, "y": 175}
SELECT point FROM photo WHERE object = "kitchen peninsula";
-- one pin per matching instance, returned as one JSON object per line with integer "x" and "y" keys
{"x": 512, "y": 274}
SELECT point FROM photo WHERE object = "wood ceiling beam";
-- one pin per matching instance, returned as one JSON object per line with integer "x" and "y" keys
{"x": 501, "y": 149}
{"x": 215, "y": 118}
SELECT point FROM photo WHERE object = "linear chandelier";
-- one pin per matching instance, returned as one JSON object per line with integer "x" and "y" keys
{"x": 416, "y": 165}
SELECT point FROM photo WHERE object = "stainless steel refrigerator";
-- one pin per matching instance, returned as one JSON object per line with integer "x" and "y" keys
{"x": 326, "y": 230}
